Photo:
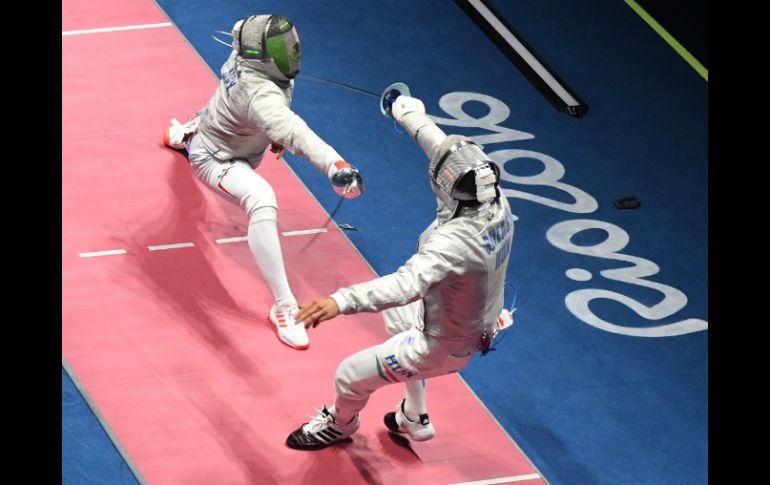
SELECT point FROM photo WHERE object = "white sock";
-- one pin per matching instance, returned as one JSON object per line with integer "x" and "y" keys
{"x": 266, "y": 248}
{"x": 340, "y": 418}
{"x": 415, "y": 399}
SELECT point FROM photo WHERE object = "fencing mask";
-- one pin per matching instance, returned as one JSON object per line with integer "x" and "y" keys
{"x": 460, "y": 171}
{"x": 272, "y": 40}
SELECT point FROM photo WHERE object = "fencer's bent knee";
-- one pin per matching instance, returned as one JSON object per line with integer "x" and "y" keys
{"x": 260, "y": 204}
{"x": 263, "y": 213}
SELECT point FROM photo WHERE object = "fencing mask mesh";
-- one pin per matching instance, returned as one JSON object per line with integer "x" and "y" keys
{"x": 269, "y": 38}
{"x": 460, "y": 170}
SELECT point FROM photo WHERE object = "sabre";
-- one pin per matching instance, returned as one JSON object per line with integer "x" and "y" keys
{"x": 331, "y": 216}
{"x": 387, "y": 98}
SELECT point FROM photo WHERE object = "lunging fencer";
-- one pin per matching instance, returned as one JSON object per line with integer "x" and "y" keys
{"x": 250, "y": 112}
{"x": 441, "y": 307}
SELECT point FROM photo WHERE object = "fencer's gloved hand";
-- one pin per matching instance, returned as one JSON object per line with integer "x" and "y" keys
{"x": 277, "y": 148}
{"x": 347, "y": 180}
{"x": 403, "y": 105}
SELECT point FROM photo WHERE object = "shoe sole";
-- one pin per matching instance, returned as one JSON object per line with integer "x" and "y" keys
{"x": 283, "y": 341}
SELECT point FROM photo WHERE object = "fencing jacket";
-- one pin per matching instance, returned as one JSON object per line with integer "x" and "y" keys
{"x": 458, "y": 270}
{"x": 249, "y": 110}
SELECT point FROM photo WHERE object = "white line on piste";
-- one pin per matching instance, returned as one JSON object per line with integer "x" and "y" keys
{"x": 102, "y": 253}
{"x": 304, "y": 231}
{"x": 114, "y": 29}
{"x": 492, "y": 481}
{"x": 163, "y": 247}
{"x": 231, "y": 240}
{"x": 226, "y": 240}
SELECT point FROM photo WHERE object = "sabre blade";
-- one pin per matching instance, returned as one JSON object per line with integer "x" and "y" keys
{"x": 331, "y": 216}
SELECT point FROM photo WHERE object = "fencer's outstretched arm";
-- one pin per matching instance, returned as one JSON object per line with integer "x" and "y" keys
{"x": 288, "y": 130}
{"x": 284, "y": 127}
{"x": 409, "y": 112}
{"x": 437, "y": 257}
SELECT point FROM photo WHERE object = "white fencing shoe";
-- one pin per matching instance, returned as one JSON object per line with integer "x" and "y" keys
{"x": 289, "y": 331}
{"x": 178, "y": 135}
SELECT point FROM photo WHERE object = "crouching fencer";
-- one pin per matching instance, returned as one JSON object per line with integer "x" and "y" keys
{"x": 249, "y": 113}
{"x": 441, "y": 306}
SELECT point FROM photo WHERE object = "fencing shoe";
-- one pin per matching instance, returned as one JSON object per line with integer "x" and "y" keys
{"x": 178, "y": 135}
{"x": 321, "y": 431}
{"x": 289, "y": 331}
{"x": 420, "y": 429}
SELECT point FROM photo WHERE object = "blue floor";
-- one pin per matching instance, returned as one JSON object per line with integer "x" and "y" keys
{"x": 87, "y": 456}
{"x": 586, "y": 400}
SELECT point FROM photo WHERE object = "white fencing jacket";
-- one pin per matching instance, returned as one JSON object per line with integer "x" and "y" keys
{"x": 458, "y": 270}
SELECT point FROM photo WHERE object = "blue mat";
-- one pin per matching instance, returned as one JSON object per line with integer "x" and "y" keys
{"x": 87, "y": 454}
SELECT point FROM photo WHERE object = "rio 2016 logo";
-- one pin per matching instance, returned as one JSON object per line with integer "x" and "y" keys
{"x": 562, "y": 233}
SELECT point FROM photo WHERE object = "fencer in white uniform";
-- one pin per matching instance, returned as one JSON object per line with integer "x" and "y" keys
{"x": 441, "y": 306}
{"x": 249, "y": 113}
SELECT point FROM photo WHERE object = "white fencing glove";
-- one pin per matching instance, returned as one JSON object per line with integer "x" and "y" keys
{"x": 404, "y": 105}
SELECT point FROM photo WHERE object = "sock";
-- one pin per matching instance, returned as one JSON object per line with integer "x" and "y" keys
{"x": 415, "y": 399}
{"x": 339, "y": 417}
{"x": 266, "y": 249}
